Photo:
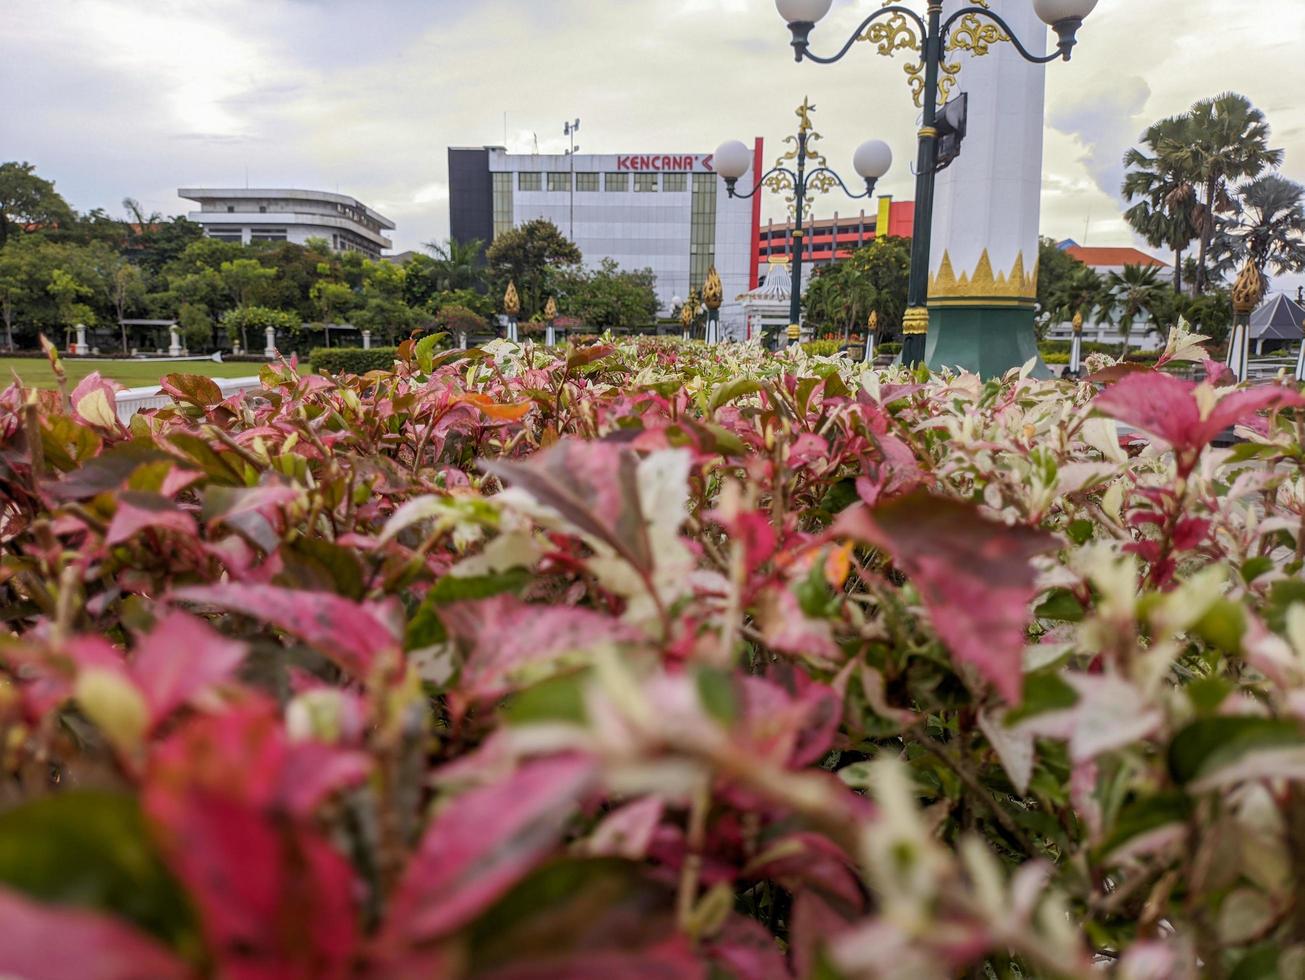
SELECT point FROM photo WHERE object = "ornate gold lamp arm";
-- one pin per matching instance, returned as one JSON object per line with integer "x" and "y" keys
{"x": 902, "y": 29}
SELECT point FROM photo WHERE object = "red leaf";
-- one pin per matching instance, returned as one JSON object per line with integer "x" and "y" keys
{"x": 192, "y": 388}
{"x": 1235, "y": 408}
{"x": 505, "y": 634}
{"x": 179, "y": 659}
{"x": 973, "y": 572}
{"x": 138, "y": 511}
{"x": 1155, "y": 402}
{"x": 47, "y": 942}
{"x": 745, "y": 950}
{"x": 350, "y": 633}
{"x": 482, "y": 843}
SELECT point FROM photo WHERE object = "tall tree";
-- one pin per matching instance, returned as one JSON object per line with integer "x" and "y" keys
{"x": 1137, "y": 292}
{"x": 1168, "y": 213}
{"x": 1270, "y": 224}
{"x": 456, "y": 265}
{"x": 1226, "y": 141}
{"x": 26, "y": 199}
{"x": 608, "y": 296}
{"x": 525, "y": 255}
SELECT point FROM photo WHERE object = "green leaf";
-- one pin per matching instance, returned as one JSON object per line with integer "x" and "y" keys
{"x": 425, "y": 350}
{"x": 1044, "y": 691}
{"x": 1081, "y": 531}
{"x": 1207, "y": 693}
{"x": 717, "y": 694}
{"x": 1282, "y": 597}
{"x": 1062, "y": 606}
{"x": 1261, "y": 963}
{"x": 729, "y": 391}
{"x": 425, "y": 627}
{"x": 1209, "y": 744}
{"x": 557, "y": 699}
{"x": 1145, "y": 815}
{"x": 322, "y": 566}
{"x": 93, "y": 850}
{"x": 1253, "y": 568}
{"x": 1223, "y": 626}
{"x": 814, "y": 595}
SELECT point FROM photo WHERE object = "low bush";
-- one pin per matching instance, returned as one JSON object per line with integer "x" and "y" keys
{"x": 352, "y": 360}
{"x": 649, "y": 659}
{"x": 822, "y": 348}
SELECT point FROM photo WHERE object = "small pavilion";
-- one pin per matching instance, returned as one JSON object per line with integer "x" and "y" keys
{"x": 1279, "y": 324}
{"x": 766, "y": 308}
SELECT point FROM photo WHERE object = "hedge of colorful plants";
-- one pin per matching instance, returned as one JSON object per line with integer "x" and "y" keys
{"x": 650, "y": 660}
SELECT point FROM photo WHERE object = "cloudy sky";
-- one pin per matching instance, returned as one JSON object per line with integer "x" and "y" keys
{"x": 116, "y": 98}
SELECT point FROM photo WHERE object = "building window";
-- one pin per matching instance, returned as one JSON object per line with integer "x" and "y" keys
{"x": 617, "y": 182}
{"x": 226, "y": 235}
{"x": 231, "y": 209}
{"x": 702, "y": 228}
{"x": 559, "y": 182}
{"x": 503, "y": 217}
{"x": 645, "y": 182}
{"x": 262, "y": 209}
{"x": 675, "y": 183}
{"x": 267, "y": 235}
{"x": 586, "y": 182}
{"x": 530, "y": 182}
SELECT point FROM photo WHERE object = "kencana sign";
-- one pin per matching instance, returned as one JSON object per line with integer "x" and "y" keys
{"x": 666, "y": 163}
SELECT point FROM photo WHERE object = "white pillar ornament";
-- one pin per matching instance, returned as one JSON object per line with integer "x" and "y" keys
{"x": 80, "y": 346}
{"x": 1076, "y": 347}
{"x": 269, "y": 351}
{"x": 983, "y": 265}
{"x": 367, "y": 339}
{"x": 174, "y": 341}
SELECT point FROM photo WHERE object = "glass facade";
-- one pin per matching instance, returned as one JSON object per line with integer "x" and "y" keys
{"x": 502, "y": 203}
{"x": 617, "y": 182}
{"x": 559, "y": 182}
{"x": 702, "y": 228}
{"x": 530, "y": 181}
{"x": 675, "y": 183}
{"x": 586, "y": 182}
{"x": 645, "y": 183}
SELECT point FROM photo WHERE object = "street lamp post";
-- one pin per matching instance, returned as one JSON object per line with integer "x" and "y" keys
{"x": 1076, "y": 347}
{"x": 550, "y": 315}
{"x": 896, "y": 27}
{"x": 872, "y": 328}
{"x": 733, "y": 159}
{"x": 713, "y": 294}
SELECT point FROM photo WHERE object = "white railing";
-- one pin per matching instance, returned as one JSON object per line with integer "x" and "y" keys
{"x": 133, "y": 400}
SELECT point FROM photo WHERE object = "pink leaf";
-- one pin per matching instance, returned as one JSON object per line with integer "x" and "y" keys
{"x": 179, "y": 659}
{"x": 47, "y": 942}
{"x": 138, "y": 511}
{"x": 482, "y": 843}
{"x": 973, "y": 573}
{"x": 745, "y": 950}
{"x": 628, "y": 831}
{"x": 504, "y": 635}
{"x": 351, "y": 634}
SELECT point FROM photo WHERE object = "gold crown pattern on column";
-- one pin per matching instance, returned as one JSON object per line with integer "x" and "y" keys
{"x": 713, "y": 290}
{"x": 511, "y": 301}
{"x": 983, "y": 283}
{"x": 916, "y": 321}
{"x": 873, "y": 322}
{"x": 1078, "y": 321}
{"x": 550, "y": 309}
{"x": 1248, "y": 290}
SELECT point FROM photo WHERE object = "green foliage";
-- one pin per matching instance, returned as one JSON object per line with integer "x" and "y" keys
{"x": 841, "y": 297}
{"x": 525, "y": 256}
{"x": 352, "y": 360}
{"x": 28, "y": 200}
{"x": 607, "y": 297}
{"x": 822, "y": 348}
{"x": 246, "y": 320}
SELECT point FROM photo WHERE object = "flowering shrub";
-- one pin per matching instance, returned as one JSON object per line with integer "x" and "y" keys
{"x": 653, "y": 660}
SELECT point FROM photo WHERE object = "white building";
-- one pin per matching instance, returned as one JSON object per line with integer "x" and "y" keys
{"x": 261, "y": 215}
{"x": 1104, "y": 260}
{"x": 667, "y": 212}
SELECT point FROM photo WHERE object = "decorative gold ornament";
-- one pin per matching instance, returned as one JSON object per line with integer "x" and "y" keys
{"x": 983, "y": 283}
{"x": 873, "y": 322}
{"x": 974, "y": 36}
{"x": 1248, "y": 290}
{"x": 713, "y": 290}
{"x": 804, "y": 114}
{"x": 916, "y": 321}
{"x": 550, "y": 310}
{"x": 894, "y": 34}
{"x": 686, "y": 316}
{"x": 1078, "y": 321}
{"x": 794, "y": 332}
{"x": 511, "y": 301}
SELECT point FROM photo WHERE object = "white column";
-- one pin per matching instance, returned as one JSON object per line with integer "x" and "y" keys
{"x": 174, "y": 341}
{"x": 462, "y": 340}
{"x": 270, "y": 350}
{"x": 512, "y": 331}
{"x": 1239, "y": 348}
{"x": 988, "y": 202}
{"x": 550, "y": 336}
{"x": 80, "y": 346}
{"x": 1300, "y": 364}
{"x": 1075, "y": 354}
{"x": 367, "y": 339}
{"x": 869, "y": 347}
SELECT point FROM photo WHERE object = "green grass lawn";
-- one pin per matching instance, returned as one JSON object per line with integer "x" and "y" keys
{"x": 130, "y": 374}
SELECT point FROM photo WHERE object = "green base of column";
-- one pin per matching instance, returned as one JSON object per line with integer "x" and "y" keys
{"x": 986, "y": 340}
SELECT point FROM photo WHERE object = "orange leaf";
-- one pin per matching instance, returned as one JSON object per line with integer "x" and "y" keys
{"x": 838, "y": 565}
{"x": 497, "y": 410}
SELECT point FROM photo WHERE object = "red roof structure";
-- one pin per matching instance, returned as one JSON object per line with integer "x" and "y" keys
{"x": 1111, "y": 256}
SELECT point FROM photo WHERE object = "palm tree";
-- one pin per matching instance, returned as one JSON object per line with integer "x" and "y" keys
{"x": 1168, "y": 214}
{"x": 458, "y": 265}
{"x": 1081, "y": 292}
{"x": 1226, "y": 140}
{"x": 1136, "y": 291}
{"x": 1270, "y": 224}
